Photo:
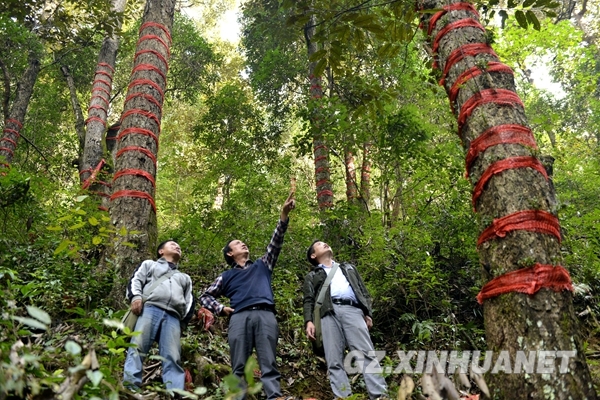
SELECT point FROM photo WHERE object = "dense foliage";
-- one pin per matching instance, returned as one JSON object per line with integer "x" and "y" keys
{"x": 234, "y": 135}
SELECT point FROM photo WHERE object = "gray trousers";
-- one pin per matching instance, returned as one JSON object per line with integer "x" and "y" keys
{"x": 347, "y": 326}
{"x": 255, "y": 329}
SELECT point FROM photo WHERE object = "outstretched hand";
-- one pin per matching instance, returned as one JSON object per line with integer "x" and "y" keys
{"x": 289, "y": 205}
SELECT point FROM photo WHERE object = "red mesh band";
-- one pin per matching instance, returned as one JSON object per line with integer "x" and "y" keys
{"x": 147, "y": 82}
{"x": 92, "y": 177}
{"x": 461, "y": 23}
{"x": 498, "y": 96}
{"x": 467, "y": 50}
{"x": 9, "y": 141}
{"x": 102, "y": 208}
{"x": 493, "y": 66}
{"x": 322, "y": 182}
{"x": 101, "y": 89}
{"x": 11, "y": 151}
{"x": 530, "y": 220}
{"x": 157, "y": 38}
{"x": 14, "y": 121}
{"x": 500, "y": 134}
{"x": 97, "y": 96}
{"x": 324, "y": 193}
{"x": 503, "y": 165}
{"x": 321, "y": 169}
{"x": 156, "y": 25}
{"x": 134, "y": 193}
{"x": 141, "y": 131}
{"x": 144, "y": 113}
{"x": 16, "y": 133}
{"x": 135, "y": 172}
{"x": 452, "y": 7}
{"x": 156, "y": 53}
{"x": 527, "y": 280}
{"x": 94, "y": 118}
{"x": 103, "y": 64}
{"x": 321, "y": 146}
{"x": 99, "y": 72}
{"x": 148, "y": 97}
{"x": 142, "y": 150}
{"x": 320, "y": 158}
{"x": 149, "y": 67}
{"x": 97, "y": 108}
{"x": 107, "y": 83}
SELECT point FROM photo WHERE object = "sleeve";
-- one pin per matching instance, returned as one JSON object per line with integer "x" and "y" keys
{"x": 209, "y": 298}
{"x": 309, "y": 298}
{"x": 365, "y": 294}
{"x": 190, "y": 301}
{"x": 274, "y": 247}
{"x": 137, "y": 282}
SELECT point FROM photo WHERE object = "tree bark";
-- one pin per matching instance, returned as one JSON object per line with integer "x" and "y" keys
{"x": 351, "y": 188}
{"x": 321, "y": 152}
{"x": 93, "y": 150}
{"x": 132, "y": 206}
{"x": 490, "y": 113}
{"x": 365, "y": 175}
{"x": 14, "y": 123}
{"x": 79, "y": 122}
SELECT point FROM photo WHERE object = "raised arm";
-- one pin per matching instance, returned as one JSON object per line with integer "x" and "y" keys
{"x": 274, "y": 247}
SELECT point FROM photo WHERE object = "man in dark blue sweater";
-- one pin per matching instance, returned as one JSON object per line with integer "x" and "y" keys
{"x": 252, "y": 309}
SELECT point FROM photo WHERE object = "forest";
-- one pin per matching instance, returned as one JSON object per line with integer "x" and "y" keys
{"x": 449, "y": 150}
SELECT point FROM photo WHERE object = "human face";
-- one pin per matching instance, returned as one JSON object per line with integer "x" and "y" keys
{"x": 171, "y": 251}
{"x": 321, "y": 250}
{"x": 239, "y": 251}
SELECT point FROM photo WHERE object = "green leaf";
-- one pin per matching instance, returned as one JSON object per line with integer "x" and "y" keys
{"x": 96, "y": 240}
{"x": 123, "y": 231}
{"x": 521, "y": 19}
{"x": 95, "y": 377}
{"x": 62, "y": 246}
{"x": 320, "y": 67}
{"x": 512, "y": 4}
{"x": 79, "y": 199}
{"x": 65, "y": 218}
{"x": 77, "y": 226}
{"x": 93, "y": 221}
{"x": 39, "y": 314}
{"x": 492, "y": 3}
{"x": 528, "y": 3}
{"x": 30, "y": 322}
{"x": 54, "y": 228}
{"x": 532, "y": 18}
{"x": 79, "y": 211}
{"x": 72, "y": 347}
{"x": 317, "y": 55}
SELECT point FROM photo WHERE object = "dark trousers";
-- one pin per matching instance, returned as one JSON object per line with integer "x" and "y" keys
{"x": 255, "y": 329}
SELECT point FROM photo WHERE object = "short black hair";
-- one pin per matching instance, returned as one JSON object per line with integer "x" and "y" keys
{"x": 228, "y": 259}
{"x": 160, "y": 246}
{"x": 309, "y": 253}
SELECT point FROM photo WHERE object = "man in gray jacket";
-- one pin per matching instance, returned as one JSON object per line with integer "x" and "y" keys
{"x": 345, "y": 319}
{"x": 162, "y": 297}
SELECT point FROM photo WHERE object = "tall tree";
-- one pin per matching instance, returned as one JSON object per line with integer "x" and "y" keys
{"x": 92, "y": 148}
{"x": 132, "y": 206}
{"x": 519, "y": 245}
{"x": 16, "y": 117}
{"x": 320, "y": 148}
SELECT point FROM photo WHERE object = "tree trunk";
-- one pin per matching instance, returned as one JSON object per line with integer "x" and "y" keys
{"x": 93, "y": 150}
{"x": 351, "y": 189}
{"x": 365, "y": 175}
{"x": 320, "y": 149}
{"x": 14, "y": 123}
{"x": 79, "y": 122}
{"x": 132, "y": 206}
{"x": 517, "y": 210}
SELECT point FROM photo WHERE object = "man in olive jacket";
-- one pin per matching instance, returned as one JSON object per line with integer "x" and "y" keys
{"x": 345, "y": 319}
